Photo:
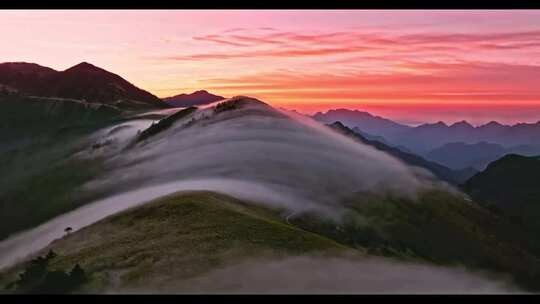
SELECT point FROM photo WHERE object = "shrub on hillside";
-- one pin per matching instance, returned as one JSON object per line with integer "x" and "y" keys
{"x": 37, "y": 279}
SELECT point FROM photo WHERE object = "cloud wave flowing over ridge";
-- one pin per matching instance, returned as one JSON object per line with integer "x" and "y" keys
{"x": 253, "y": 152}
{"x": 288, "y": 154}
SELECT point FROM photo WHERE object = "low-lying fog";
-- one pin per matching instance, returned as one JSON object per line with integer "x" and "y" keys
{"x": 332, "y": 275}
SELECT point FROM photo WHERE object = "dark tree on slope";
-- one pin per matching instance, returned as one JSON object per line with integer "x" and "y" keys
{"x": 77, "y": 275}
{"x": 37, "y": 279}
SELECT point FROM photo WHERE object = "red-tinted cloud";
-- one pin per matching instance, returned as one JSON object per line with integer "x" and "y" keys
{"x": 368, "y": 67}
{"x": 289, "y": 44}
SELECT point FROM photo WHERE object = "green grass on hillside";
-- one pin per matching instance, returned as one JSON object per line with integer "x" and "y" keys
{"x": 187, "y": 234}
{"x": 179, "y": 237}
{"x": 39, "y": 173}
{"x": 437, "y": 227}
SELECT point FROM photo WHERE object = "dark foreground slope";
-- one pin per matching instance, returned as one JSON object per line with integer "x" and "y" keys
{"x": 39, "y": 139}
{"x": 510, "y": 185}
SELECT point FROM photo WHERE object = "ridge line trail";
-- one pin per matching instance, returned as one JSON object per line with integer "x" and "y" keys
{"x": 288, "y": 216}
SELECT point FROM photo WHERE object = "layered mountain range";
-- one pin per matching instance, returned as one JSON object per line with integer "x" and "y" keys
{"x": 444, "y": 173}
{"x": 457, "y": 146}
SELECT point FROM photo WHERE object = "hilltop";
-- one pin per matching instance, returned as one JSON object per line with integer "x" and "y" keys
{"x": 510, "y": 186}
{"x": 197, "y": 98}
{"x": 83, "y": 82}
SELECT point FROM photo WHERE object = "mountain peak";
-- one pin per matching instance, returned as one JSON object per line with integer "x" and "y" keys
{"x": 343, "y": 110}
{"x": 338, "y": 124}
{"x": 430, "y": 125}
{"x": 492, "y": 124}
{"x": 197, "y": 98}
{"x": 441, "y": 123}
{"x": 462, "y": 124}
{"x": 85, "y": 66}
{"x": 200, "y": 92}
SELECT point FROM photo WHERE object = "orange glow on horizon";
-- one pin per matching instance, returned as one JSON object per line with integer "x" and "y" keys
{"x": 409, "y": 65}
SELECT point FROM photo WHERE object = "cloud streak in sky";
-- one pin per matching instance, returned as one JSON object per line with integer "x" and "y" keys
{"x": 300, "y": 44}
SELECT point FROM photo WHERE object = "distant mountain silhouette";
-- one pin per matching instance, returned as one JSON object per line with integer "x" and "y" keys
{"x": 424, "y": 138}
{"x": 379, "y": 139}
{"x": 366, "y": 122}
{"x": 442, "y": 172}
{"x": 461, "y": 155}
{"x": 83, "y": 81}
{"x": 479, "y": 155}
{"x": 197, "y": 98}
{"x": 510, "y": 185}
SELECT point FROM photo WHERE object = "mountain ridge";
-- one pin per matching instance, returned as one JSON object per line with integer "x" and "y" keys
{"x": 510, "y": 185}
{"x": 493, "y": 123}
{"x": 426, "y": 137}
{"x": 83, "y": 81}
{"x": 442, "y": 172}
{"x": 458, "y": 155}
{"x": 197, "y": 98}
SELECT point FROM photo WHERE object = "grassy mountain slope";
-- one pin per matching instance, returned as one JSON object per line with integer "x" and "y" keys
{"x": 187, "y": 234}
{"x": 178, "y": 237}
{"x": 437, "y": 227}
{"x": 39, "y": 139}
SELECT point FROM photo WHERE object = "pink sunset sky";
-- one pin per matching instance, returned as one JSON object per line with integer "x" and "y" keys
{"x": 411, "y": 66}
